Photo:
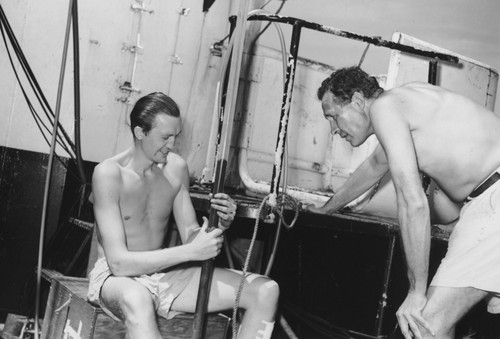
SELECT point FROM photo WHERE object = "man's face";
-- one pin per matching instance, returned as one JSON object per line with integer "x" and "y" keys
{"x": 348, "y": 120}
{"x": 159, "y": 141}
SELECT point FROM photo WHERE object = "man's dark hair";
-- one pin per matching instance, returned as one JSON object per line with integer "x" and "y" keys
{"x": 345, "y": 81}
{"x": 146, "y": 108}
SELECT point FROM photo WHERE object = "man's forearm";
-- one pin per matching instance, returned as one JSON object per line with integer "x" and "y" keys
{"x": 363, "y": 178}
{"x": 137, "y": 263}
{"x": 415, "y": 237}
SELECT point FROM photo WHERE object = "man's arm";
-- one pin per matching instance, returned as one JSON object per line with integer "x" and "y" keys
{"x": 363, "y": 178}
{"x": 394, "y": 134}
{"x": 106, "y": 183}
{"x": 176, "y": 171}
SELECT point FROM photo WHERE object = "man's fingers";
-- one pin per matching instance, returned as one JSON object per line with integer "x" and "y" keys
{"x": 205, "y": 224}
{"x": 414, "y": 329}
{"x": 403, "y": 325}
{"x": 423, "y": 323}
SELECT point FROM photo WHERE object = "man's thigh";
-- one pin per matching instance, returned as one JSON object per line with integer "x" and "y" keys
{"x": 223, "y": 290}
{"x": 447, "y": 305}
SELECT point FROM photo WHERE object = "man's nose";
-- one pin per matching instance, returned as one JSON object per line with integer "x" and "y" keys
{"x": 334, "y": 129}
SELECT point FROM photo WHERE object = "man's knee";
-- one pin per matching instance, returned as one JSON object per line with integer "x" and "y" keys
{"x": 442, "y": 325}
{"x": 268, "y": 292}
{"x": 136, "y": 303}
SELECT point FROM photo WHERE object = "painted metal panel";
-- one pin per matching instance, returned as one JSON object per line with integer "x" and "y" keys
{"x": 123, "y": 44}
{"x": 470, "y": 78}
{"x": 317, "y": 163}
{"x": 312, "y": 152}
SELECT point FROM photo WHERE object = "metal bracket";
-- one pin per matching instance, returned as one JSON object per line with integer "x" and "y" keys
{"x": 184, "y": 11}
{"x": 217, "y": 48}
{"x": 141, "y": 8}
{"x": 132, "y": 48}
{"x": 127, "y": 86}
{"x": 175, "y": 59}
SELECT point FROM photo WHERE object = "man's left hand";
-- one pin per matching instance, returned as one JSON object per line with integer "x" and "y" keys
{"x": 225, "y": 207}
{"x": 410, "y": 317}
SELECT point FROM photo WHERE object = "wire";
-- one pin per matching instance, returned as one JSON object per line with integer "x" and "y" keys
{"x": 39, "y": 122}
{"x": 7, "y": 29}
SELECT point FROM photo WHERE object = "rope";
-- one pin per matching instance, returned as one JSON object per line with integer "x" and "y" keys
{"x": 264, "y": 211}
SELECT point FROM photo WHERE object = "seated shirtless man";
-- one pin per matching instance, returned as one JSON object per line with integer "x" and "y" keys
{"x": 451, "y": 139}
{"x": 134, "y": 194}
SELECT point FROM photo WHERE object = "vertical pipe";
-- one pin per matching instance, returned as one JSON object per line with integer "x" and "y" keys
{"x": 431, "y": 79}
{"x": 432, "y": 75}
{"x": 207, "y": 267}
{"x": 285, "y": 111}
{"x": 76, "y": 89}
{"x": 49, "y": 168}
{"x": 385, "y": 286}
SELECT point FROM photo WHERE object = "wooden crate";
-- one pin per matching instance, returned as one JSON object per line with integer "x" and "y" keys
{"x": 69, "y": 315}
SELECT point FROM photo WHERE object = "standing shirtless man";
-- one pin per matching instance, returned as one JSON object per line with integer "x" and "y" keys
{"x": 135, "y": 277}
{"x": 424, "y": 129}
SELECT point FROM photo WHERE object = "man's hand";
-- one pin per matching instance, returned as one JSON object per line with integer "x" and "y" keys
{"x": 206, "y": 245}
{"x": 225, "y": 207}
{"x": 410, "y": 316}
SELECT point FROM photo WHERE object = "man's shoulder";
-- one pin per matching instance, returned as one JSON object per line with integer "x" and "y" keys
{"x": 107, "y": 169}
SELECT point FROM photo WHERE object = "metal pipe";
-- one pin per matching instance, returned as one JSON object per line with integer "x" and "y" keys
{"x": 285, "y": 112}
{"x": 222, "y": 158}
{"x": 49, "y": 168}
{"x": 377, "y": 41}
{"x": 76, "y": 90}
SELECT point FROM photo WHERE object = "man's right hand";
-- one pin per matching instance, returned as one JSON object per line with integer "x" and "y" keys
{"x": 206, "y": 245}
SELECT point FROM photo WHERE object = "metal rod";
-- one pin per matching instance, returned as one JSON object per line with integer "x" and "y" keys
{"x": 49, "y": 168}
{"x": 377, "y": 41}
{"x": 285, "y": 107}
{"x": 431, "y": 79}
{"x": 432, "y": 75}
{"x": 207, "y": 267}
{"x": 76, "y": 90}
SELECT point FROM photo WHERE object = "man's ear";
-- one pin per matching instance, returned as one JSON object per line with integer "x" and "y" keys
{"x": 358, "y": 99}
{"x": 138, "y": 133}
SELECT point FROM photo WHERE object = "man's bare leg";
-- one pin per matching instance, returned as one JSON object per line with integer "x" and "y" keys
{"x": 131, "y": 302}
{"x": 259, "y": 299}
{"x": 446, "y": 306}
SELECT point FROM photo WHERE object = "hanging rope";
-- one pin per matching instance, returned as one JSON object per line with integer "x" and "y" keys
{"x": 264, "y": 212}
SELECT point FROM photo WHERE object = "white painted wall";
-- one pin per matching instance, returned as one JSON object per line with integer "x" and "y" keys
{"x": 107, "y": 28}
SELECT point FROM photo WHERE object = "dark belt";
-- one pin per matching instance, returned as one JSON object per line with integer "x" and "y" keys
{"x": 485, "y": 185}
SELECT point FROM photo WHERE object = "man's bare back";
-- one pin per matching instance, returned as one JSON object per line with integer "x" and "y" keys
{"x": 457, "y": 158}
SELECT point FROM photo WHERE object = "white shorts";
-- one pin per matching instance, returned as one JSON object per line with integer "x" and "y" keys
{"x": 473, "y": 256}
{"x": 164, "y": 287}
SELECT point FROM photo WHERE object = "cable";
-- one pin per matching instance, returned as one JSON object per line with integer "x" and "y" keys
{"x": 7, "y": 29}
{"x": 76, "y": 91}
{"x": 33, "y": 112}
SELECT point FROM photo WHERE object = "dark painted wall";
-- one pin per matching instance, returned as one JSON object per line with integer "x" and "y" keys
{"x": 22, "y": 182}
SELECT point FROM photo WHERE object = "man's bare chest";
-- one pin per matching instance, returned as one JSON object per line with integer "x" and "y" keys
{"x": 147, "y": 199}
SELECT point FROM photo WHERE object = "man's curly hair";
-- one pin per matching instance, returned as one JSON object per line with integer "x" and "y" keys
{"x": 345, "y": 81}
